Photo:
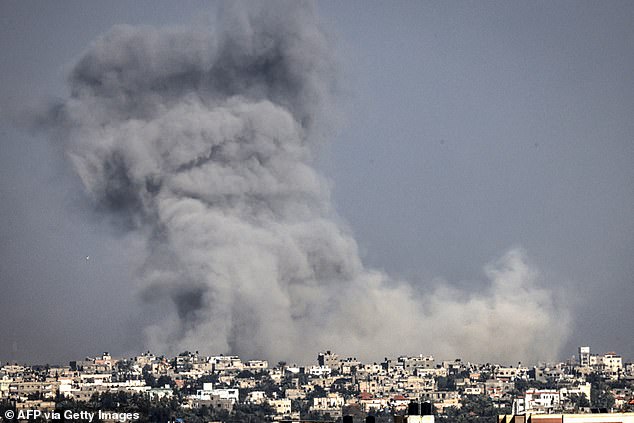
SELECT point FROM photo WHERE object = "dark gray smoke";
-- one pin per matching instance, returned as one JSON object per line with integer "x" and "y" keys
{"x": 202, "y": 143}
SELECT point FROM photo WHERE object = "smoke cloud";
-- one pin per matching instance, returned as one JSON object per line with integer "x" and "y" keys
{"x": 202, "y": 143}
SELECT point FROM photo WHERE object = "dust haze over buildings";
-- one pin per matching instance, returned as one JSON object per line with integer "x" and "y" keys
{"x": 200, "y": 146}
{"x": 202, "y": 143}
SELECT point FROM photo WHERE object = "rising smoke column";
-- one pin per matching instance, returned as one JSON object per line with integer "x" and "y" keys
{"x": 201, "y": 142}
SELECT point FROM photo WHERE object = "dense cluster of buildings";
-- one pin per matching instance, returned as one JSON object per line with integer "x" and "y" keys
{"x": 332, "y": 384}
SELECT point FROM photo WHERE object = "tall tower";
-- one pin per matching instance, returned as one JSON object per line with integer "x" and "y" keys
{"x": 584, "y": 356}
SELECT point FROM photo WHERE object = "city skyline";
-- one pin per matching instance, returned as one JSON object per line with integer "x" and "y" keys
{"x": 573, "y": 359}
{"x": 195, "y": 387}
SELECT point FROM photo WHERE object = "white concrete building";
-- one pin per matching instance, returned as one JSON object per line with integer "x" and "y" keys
{"x": 541, "y": 400}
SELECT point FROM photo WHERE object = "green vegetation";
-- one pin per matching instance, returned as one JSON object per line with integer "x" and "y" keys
{"x": 474, "y": 409}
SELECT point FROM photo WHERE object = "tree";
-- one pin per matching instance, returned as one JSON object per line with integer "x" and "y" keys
{"x": 600, "y": 395}
{"x": 474, "y": 409}
{"x": 317, "y": 392}
{"x": 149, "y": 378}
{"x": 484, "y": 376}
{"x": 269, "y": 386}
{"x": 164, "y": 380}
{"x": 245, "y": 374}
{"x": 579, "y": 401}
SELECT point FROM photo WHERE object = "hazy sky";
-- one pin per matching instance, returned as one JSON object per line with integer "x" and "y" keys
{"x": 466, "y": 129}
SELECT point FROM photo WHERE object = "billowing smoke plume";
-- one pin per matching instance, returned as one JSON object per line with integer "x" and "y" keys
{"x": 201, "y": 142}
